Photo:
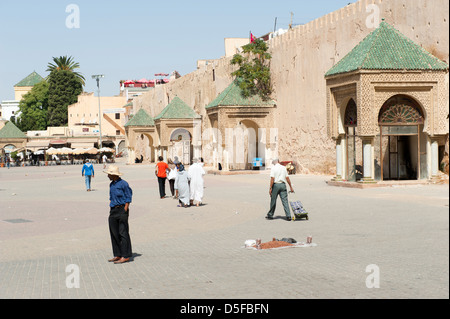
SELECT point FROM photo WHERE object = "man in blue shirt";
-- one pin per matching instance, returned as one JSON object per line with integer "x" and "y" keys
{"x": 120, "y": 196}
{"x": 88, "y": 173}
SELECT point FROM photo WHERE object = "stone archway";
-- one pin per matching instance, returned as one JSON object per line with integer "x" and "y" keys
{"x": 353, "y": 162}
{"x": 402, "y": 141}
{"x": 145, "y": 148}
{"x": 181, "y": 146}
{"x": 245, "y": 145}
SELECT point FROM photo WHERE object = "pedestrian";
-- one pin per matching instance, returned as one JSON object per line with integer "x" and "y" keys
{"x": 88, "y": 173}
{"x": 196, "y": 173}
{"x": 171, "y": 176}
{"x": 8, "y": 161}
{"x": 278, "y": 180}
{"x": 161, "y": 174}
{"x": 182, "y": 186}
{"x": 120, "y": 196}
{"x": 104, "y": 159}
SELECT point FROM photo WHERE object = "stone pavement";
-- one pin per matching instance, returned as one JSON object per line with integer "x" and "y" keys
{"x": 48, "y": 222}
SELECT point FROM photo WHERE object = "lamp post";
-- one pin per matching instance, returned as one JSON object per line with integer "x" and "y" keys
{"x": 98, "y": 77}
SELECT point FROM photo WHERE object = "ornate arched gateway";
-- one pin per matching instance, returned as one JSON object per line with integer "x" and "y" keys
{"x": 241, "y": 129}
{"x": 401, "y": 121}
{"x": 392, "y": 105}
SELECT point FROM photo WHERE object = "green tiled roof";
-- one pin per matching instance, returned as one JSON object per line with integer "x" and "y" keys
{"x": 232, "y": 96}
{"x": 11, "y": 131}
{"x": 30, "y": 80}
{"x": 141, "y": 118}
{"x": 177, "y": 109}
{"x": 387, "y": 49}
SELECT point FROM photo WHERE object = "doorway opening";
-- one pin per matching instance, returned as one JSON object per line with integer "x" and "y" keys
{"x": 401, "y": 121}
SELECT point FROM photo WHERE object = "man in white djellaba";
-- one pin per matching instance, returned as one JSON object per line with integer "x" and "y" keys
{"x": 196, "y": 173}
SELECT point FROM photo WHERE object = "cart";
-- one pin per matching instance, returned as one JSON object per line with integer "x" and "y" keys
{"x": 298, "y": 210}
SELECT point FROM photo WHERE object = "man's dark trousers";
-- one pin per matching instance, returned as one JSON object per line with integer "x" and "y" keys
{"x": 279, "y": 189}
{"x": 162, "y": 186}
{"x": 120, "y": 232}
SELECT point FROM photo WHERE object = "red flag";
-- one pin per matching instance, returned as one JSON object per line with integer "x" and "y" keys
{"x": 252, "y": 38}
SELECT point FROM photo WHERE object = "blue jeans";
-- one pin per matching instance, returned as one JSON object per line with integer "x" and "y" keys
{"x": 87, "y": 179}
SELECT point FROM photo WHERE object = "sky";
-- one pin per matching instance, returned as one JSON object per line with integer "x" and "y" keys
{"x": 134, "y": 39}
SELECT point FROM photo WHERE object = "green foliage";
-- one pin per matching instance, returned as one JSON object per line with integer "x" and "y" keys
{"x": 64, "y": 63}
{"x": 254, "y": 70}
{"x": 33, "y": 109}
{"x": 64, "y": 88}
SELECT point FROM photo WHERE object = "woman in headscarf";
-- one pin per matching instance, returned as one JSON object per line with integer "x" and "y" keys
{"x": 182, "y": 186}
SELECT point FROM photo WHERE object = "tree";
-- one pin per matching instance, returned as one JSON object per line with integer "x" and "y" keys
{"x": 254, "y": 70}
{"x": 33, "y": 109}
{"x": 64, "y": 63}
{"x": 64, "y": 88}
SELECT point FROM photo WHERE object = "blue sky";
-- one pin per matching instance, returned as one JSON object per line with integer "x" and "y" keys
{"x": 134, "y": 39}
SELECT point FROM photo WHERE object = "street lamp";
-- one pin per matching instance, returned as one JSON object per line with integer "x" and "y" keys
{"x": 98, "y": 77}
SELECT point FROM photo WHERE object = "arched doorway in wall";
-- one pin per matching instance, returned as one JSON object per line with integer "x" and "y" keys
{"x": 109, "y": 144}
{"x": 353, "y": 165}
{"x": 121, "y": 147}
{"x": 145, "y": 149}
{"x": 8, "y": 149}
{"x": 401, "y": 121}
{"x": 245, "y": 145}
{"x": 181, "y": 146}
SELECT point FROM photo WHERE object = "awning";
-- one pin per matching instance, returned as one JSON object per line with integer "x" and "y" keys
{"x": 36, "y": 145}
{"x": 82, "y": 145}
{"x": 58, "y": 142}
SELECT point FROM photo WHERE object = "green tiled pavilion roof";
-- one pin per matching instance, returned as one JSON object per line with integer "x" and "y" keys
{"x": 11, "y": 131}
{"x": 177, "y": 109}
{"x": 387, "y": 49}
{"x": 232, "y": 96}
{"x": 141, "y": 118}
{"x": 30, "y": 80}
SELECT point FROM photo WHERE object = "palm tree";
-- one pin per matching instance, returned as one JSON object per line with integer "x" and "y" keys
{"x": 64, "y": 63}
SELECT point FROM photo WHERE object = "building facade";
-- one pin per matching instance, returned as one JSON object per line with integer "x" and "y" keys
{"x": 300, "y": 59}
{"x": 386, "y": 109}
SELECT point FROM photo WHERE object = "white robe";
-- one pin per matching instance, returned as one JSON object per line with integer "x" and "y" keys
{"x": 182, "y": 185}
{"x": 196, "y": 173}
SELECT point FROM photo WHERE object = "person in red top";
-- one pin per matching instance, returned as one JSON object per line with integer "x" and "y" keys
{"x": 161, "y": 173}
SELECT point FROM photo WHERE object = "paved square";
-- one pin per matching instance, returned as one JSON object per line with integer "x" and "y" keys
{"x": 197, "y": 253}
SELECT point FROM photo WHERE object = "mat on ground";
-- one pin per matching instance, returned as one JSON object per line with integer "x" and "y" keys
{"x": 278, "y": 244}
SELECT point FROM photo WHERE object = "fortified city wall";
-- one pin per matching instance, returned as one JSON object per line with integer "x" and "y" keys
{"x": 301, "y": 57}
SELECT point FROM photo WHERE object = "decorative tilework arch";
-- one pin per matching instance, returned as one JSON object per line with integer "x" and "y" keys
{"x": 401, "y": 110}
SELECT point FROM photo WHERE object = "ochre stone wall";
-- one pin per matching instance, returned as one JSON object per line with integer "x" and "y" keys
{"x": 301, "y": 57}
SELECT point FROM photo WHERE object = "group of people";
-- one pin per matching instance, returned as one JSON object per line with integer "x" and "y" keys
{"x": 186, "y": 186}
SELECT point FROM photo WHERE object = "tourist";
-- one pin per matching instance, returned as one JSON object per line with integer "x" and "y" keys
{"x": 88, "y": 173}
{"x": 182, "y": 186}
{"x": 161, "y": 174}
{"x": 196, "y": 173}
{"x": 278, "y": 180}
{"x": 120, "y": 196}
{"x": 171, "y": 177}
{"x": 104, "y": 159}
